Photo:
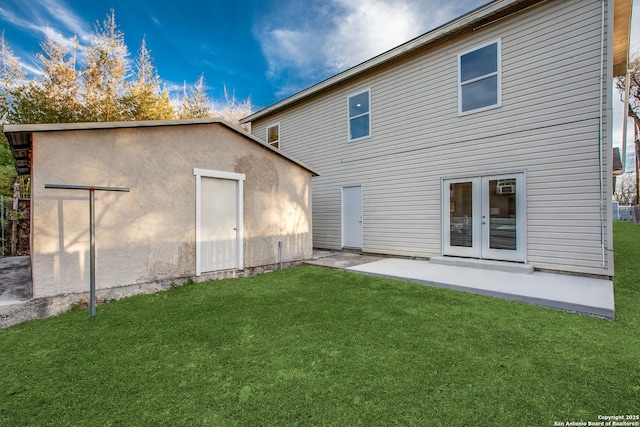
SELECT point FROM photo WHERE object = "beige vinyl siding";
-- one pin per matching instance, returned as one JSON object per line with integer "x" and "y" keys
{"x": 547, "y": 127}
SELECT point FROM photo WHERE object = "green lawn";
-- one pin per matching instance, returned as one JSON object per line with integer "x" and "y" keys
{"x": 312, "y": 346}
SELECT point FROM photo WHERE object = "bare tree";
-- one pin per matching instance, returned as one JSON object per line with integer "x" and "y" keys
{"x": 625, "y": 193}
{"x": 234, "y": 110}
{"x": 634, "y": 108}
{"x": 634, "y": 88}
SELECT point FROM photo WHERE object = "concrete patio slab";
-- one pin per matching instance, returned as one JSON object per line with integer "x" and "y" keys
{"x": 585, "y": 295}
{"x": 15, "y": 279}
{"x": 483, "y": 264}
{"x": 340, "y": 260}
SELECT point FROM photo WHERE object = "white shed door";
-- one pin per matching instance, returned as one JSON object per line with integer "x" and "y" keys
{"x": 219, "y": 224}
{"x": 352, "y": 217}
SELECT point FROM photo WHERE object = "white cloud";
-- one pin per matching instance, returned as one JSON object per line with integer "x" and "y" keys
{"x": 327, "y": 37}
{"x": 71, "y": 23}
{"x": 371, "y": 27}
{"x": 48, "y": 17}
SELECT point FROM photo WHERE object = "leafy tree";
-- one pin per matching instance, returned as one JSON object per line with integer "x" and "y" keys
{"x": 7, "y": 170}
{"x": 146, "y": 98}
{"x": 11, "y": 76}
{"x": 102, "y": 88}
{"x": 195, "y": 102}
{"x": 105, "y": 73}
{"x": 60, "y": 80}
{"x": 54, "y": 97}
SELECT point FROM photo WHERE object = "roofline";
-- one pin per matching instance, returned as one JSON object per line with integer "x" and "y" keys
{"x": 622, "y": 23}
{"x": 10, "y": 129}
{"x": 49, "y": 127}
{"x": 450, "y": 28}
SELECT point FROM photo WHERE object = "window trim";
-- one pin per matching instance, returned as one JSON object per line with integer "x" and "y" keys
{"x": 349, "y": 118}
{"x": 497, "y": 73}
{"x": 279, "y": 135}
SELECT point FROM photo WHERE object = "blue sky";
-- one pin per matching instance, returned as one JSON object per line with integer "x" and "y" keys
{"x": 266, "y": 50}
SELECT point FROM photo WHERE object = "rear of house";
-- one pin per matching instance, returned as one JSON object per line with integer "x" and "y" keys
{"x": 488, "y": 138}
{"x": 205, "y": 200}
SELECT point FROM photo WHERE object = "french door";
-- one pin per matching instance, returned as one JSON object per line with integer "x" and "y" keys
{"x": 483, "y": 217}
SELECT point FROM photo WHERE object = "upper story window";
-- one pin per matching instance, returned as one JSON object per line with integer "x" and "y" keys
{"x": 360, "y": 115}
{"x": 273, "y": 135}
{"x": 479, "y": 79}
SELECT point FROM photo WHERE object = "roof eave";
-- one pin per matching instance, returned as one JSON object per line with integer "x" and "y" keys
{"x": 621, "y": 36}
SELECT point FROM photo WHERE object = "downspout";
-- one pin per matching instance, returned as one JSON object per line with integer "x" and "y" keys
{"x": 602, "y": 64}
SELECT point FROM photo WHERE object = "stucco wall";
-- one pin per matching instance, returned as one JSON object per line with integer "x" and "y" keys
{"x": 148, "y": 234}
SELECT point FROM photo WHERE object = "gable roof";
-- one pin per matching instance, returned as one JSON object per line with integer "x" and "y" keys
{"x": 20, "y": 137}
{"x": 480, "y": 17}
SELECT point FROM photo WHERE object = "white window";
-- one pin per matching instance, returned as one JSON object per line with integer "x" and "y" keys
{"x": 360, "y": 115}
{"x": 479, "y": 85}
{"x": 273, "y": 135}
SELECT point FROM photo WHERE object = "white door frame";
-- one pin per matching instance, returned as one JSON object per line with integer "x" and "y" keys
{"x": 480, "y": 214}
{"x": 342, "y": 216}
{"x": 239, "y": 178}
{"x": 473, "y": 251}
{"x": 501, "y": 254}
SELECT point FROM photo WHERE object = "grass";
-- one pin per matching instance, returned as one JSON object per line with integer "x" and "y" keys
{"x": 312, "y": 346}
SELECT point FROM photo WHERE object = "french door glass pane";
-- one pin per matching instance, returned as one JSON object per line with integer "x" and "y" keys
{"x": 502, "y": 214}
{"x": 461, "y": 214}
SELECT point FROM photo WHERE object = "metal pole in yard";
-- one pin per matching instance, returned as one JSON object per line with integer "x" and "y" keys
{"x": 14, "y": 221}
{"x": 92, "y": 235}
{"x": 92, "y": 253}
{"x": 2, "y": 223}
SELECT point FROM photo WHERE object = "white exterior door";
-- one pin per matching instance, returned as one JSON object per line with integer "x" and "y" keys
{"x": 219, "y": 224}
{"x": 484, "y": 217}
{"x": 352, "y": 217}
{"x": 219, "y": 234}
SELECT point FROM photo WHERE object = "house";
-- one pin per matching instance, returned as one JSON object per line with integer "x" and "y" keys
{"x": 205, "y": 200}
{"x": 487, "y": 138}
{"x": 617, "y": 167}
